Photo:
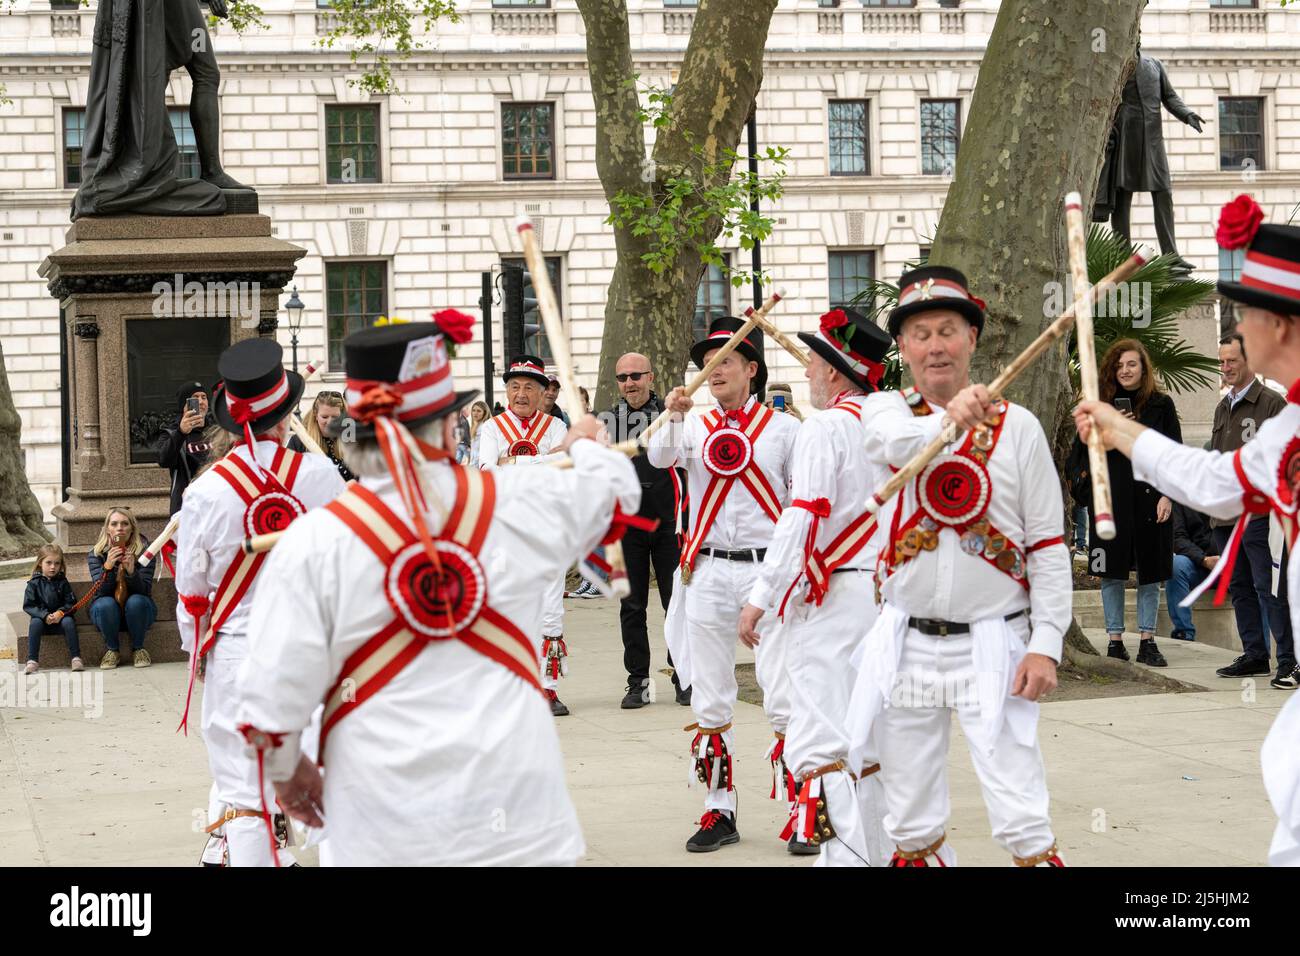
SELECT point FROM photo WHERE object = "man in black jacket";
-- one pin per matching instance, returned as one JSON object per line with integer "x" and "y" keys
{"x": 638, "y": 407}
{"x": 1195, "y": 555}
{"x": 182, "y": 449}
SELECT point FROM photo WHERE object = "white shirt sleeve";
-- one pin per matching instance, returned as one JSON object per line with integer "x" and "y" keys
{"x": 894, "y": 434}
{"x": 195, "y": 574}
{"x": 667, "y": 446}
{"x": 490, "y": 446}
{"x": 1204, "y": 480}
{"x": 1051, "y": 581}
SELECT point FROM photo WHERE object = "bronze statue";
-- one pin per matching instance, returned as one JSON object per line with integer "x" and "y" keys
{"x": 1135, "y": 157}
{"x": 129, "y": 160}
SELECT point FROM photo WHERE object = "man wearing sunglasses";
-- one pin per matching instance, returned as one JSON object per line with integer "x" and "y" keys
{"x": 637, "y": 408}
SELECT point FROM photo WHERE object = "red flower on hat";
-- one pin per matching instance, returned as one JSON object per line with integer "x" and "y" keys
{"x": 1238, "y": 223}
{"x": 457, "y": 326}
{"x": 833, "y": 320}
{"x": 980, "y": 302}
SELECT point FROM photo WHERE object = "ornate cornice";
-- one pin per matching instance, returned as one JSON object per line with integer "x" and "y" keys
{"x": 109, "y": 283}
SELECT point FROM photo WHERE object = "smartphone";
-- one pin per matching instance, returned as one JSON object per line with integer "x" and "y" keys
{"x": 1124, "y": 405}
{"x": 778, "y": 402}
{"x": 192, "y": 406}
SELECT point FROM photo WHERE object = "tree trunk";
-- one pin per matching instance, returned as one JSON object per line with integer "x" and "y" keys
{"x": 24, "y": 529}
{"x": 646, "y": 311}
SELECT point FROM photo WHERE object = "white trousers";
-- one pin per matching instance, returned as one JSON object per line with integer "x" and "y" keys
{"x": 719, "y": 589}
{"x": 552, "y": 623}
{"x": 234, "y": 773}
{"x": 936, "y": 676}
{"x": 819, "y": 644}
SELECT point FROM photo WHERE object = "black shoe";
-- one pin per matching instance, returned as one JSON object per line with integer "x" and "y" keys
{"x": 638, "y": 694}
{"x": 684, "y": 696}
{"x": 1150, "y": 655}
{"x": 1116, "y": 650}
{"x": 795, "y": 848}
{"x": 1288, "y": 678}
{"x": 716, "y": 829}
{"x": 557, "y": 706}
{"x": 1244, "y": 666}
{"x": 1183, "y": 636}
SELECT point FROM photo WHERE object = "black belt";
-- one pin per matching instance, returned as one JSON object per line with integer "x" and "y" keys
{"x": 937, "y": 628}
{"x": 749, "y": 554}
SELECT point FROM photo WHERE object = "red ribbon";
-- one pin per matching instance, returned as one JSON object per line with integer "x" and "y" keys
{"x": 261, "y": 739}
{"x": 377, "y": 401}
{"x": 820, "y": 508}
{"x": 196, "y": 606}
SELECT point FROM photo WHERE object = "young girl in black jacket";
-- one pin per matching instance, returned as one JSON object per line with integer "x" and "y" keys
{"x": 48, "y": 600}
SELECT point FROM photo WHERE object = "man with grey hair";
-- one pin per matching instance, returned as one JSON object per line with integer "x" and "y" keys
{"x": 431, "y": 693}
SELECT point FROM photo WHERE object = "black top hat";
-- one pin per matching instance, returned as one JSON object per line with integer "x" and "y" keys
{"x": 935, "y": 287}
{"x": 1270, "y": 273}
{"x": 256, "y": 390}
{"x": 853, "y": 345}
{"x": 751, "y": 347}
{"x": 408, "y": 360}
{"x": 527, "y": 366}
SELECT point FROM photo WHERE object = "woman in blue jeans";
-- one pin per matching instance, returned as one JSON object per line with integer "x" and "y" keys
{"x": 114, "y": 558}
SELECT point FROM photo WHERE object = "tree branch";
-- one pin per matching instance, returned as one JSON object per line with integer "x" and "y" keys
{"x": 620, "y": 137}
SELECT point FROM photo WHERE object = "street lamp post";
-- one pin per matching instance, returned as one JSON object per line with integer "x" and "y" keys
{"x": 294, "y": 308}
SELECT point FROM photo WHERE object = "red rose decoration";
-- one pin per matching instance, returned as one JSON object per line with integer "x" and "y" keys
{"x": 835, "y": 319}
{"x": 457, "y": 326}
{"x": 980, "y": 302}
{"x": 1238, "y": 223}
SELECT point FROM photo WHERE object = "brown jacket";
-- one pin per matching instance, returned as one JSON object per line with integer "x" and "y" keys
{"x": 1233, "y": 427}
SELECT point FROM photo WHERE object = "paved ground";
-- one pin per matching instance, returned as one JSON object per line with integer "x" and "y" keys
{"x": 1164, "y": 779}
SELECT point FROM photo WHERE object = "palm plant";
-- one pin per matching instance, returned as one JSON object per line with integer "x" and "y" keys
{"x": 1145, "y": 308}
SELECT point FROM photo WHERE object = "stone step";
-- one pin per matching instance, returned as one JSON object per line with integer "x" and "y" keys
{"x": 162, "y": 641}
{"x": 1216, "y": 626}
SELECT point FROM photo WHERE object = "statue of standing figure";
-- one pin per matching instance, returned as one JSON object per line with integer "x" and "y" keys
{"x": 1135, "y": 154}
{"x": 129, "y": 157}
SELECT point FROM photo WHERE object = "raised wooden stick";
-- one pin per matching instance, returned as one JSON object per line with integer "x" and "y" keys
{"x": 299, "y": 429}
{"x": 156, "y": 545}
{"x": 557, "y": 338}
{"x": 1103, "y": 519}
{"x": 1009, "y": 374}
{"x": 260, "y": 542}
{"x": 789, "y": 344}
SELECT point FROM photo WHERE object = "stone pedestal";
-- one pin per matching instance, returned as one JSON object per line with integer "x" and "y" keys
{"x": 128, "y": 285}
{"x": 1199, "y": 328}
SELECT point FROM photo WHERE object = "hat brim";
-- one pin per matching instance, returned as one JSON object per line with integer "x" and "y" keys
{"x": 705, "y": 346}
{"x": 258, "y": 425}
{"x": 836, "y": 360}
{"x": 1259, "y": 298}
{"x": 968, "y": 310}
{"x": 338, "y": 425}
{"x": 541, "y": 380}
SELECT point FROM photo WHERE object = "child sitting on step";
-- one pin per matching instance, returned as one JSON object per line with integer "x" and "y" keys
{"x": 48, "y": 600}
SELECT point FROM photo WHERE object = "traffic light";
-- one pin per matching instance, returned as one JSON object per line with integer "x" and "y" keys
{"x": 516, "y": 308}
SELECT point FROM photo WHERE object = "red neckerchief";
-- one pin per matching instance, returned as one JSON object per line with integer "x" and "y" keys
{"x": 742, "y": 415}
{"x": 1293, "y": 393}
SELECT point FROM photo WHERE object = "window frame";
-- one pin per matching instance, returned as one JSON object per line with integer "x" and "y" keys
{"x": 868, "y": 111}
{"x": 554, "y": 175}
{"x": 1261, "y": 160}
{"x": 381, "y": 170}
{"x": 832, "y": 253}
{"x": 385, "y": 288}
{"x": 706, "y": 283}
{"x": 920, "y": 113}
{"x": 65, "y": 110}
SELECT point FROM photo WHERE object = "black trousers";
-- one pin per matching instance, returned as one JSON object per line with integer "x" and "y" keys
{"x": 1163, "y": 201}
{"x": 640, "y": 550}
{"x": 1251, "y": 586}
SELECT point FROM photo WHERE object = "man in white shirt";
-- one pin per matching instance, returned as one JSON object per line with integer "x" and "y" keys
{"x": 737, "y": 461}
{"x": 976, "y": 585}
{"x": 259, "y": 487}
{"x": 525, "y": 435}
{"x": 434, "y": 740}
{"x": 818, "y": 576}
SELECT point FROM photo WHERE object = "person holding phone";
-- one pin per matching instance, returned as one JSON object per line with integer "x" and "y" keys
{"x": 780, "y": 398}
{"x": 1144, "y": 535}
{"x": 183, "y": 449}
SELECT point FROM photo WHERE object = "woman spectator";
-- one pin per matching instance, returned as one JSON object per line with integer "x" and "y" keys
{"x": 49, "y": 600}
{"x": 462, "y": 438}
{"x": 183, "y": 449}
{"x": 327, "y": 407}
{"x": 478, "y": 414}
{"x": 1144, "y": 536}
{"x": 123, "y": 600}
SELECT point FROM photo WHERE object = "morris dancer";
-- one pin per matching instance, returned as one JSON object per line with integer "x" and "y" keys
{"x": 737, "y": 460}
{"x": 817, "y": 576}
{"x": 976, "y": 587}
{"x": 409, "y": 607}
{"x": 1261, "y": 476}
{"x": 259, "y": 487}
{"x": 525, "y": 435}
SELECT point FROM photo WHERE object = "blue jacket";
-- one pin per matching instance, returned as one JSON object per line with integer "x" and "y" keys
{"x": 140, "y": 582}
{"x": 45, "y": 595}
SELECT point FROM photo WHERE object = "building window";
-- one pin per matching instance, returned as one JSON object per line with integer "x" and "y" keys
{"x": 356, "y": 293}
{"x": 681, "y": 3}
{"x": 889, "y": 3}
{"x": 713, "y": 299}
{"x": 849, "y": 272}
{"x": 940, "y": 136}
{"x": 544, "y": 4}
{"x": 828, "y": 3}
{"x": 65, "y": 4}
{"x": 535, "y": 342}
{"x": 1229, "y": 4}
{"x": 849, "y": 142}
{"x": 1241, "y": 132}
{"x": 187, "y": 147}
{"x": 351, "y": 144}
{"x": 528, "y": 140}
{"x": 74, "y": 127}
{"x": 1230, "y": 263}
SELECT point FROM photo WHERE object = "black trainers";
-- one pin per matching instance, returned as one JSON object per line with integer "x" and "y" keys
{"x": 557, "y": 706}
{"x": 1244, "y": 666}
{"x": 683, "y": 696}
{"x": 1183, "y": 635}
{"x": 638, "y": 694}
{"x": 795, "y": 848}
{"x": 1288, "y": 678}
{"x": 1150, "y": 655}
{"x": 1116, "y": 649}
{"x": 716, "y": 829}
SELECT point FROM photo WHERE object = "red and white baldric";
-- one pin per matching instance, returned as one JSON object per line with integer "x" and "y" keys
{"x": 524, "y": 437}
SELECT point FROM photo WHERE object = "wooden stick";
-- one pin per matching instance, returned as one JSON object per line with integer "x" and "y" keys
{"x": 299, "y": 429}
{"x": 557, "y": 338}
{"x": 789, "y": 344}
{"x": 260, "y": 542}
{"x": 156, "y": 546}
{"x": 1009, "y": 374}
{"x": 1103, "y": 518}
